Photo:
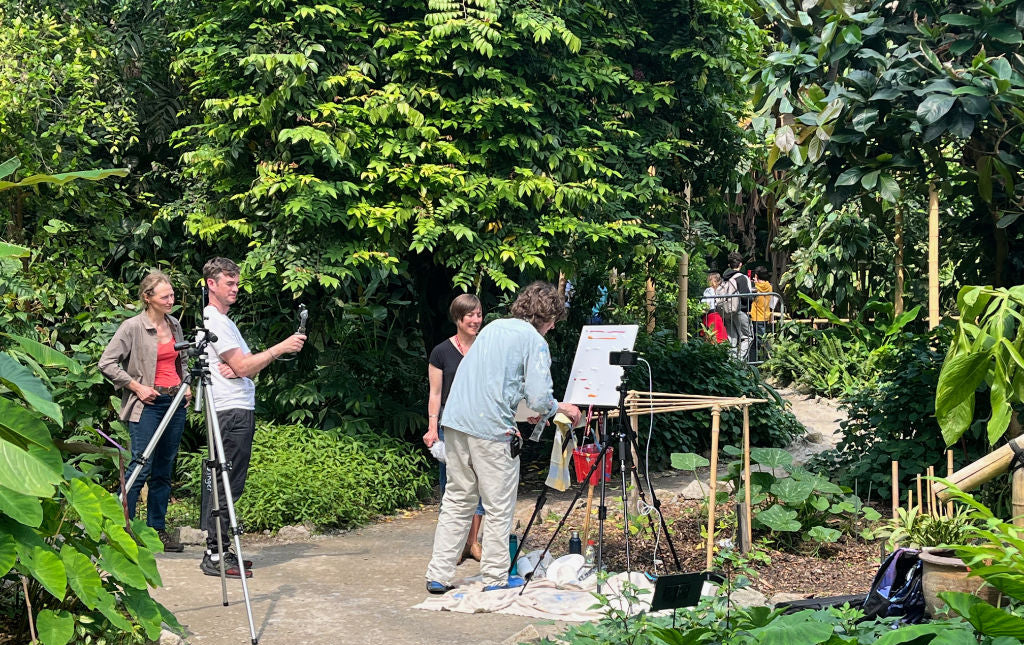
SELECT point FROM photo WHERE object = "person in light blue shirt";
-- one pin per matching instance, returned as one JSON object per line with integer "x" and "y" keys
{"x": 509, "y": 362}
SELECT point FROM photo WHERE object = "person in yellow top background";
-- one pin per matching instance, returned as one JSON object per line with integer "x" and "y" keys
{"x": 761, "y": 309}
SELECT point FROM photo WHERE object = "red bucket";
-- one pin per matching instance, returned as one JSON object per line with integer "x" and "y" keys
{"x": 585, "y": 457}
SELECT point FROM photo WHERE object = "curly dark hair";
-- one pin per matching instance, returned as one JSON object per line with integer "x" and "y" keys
{"x": 539, "y": 303}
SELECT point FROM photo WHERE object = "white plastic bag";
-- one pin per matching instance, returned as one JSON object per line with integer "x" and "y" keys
{"x": 437, "y": 451}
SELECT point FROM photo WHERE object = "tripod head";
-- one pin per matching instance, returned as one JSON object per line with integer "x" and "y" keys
{"x": 197, "y": 347}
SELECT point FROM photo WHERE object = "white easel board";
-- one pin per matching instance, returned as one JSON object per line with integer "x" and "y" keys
{"x": 593, "y": 380}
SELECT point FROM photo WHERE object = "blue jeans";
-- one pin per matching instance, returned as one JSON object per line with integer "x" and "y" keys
{"x": 444, "y": 475}
{"x": 160, "y": 465}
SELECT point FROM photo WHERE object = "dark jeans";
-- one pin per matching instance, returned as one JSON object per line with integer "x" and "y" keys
{"x": 160, "y": 465}
{"x": 237, "y": 428}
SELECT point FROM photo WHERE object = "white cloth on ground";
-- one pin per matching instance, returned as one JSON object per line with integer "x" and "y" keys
{"x": 542, "y": 599}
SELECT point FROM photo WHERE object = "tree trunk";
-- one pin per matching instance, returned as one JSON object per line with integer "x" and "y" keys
{"x": 933, "y": 256}
{"x": 650, "y": 302}
{"x": 684, "y": 275}
{"x": 898, "y": 239}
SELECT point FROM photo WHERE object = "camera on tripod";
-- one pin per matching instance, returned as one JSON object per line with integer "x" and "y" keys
{"x": 196, "y": 347}
{"x": 624, "y": 358}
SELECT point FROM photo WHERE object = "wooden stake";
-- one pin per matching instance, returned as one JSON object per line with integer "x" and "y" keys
{"x": 895, "y": 487}
{"x": 1017, "y": 497}
{"x": 746, "y": 474}
{"x": 920, "y": 498}
{"x": 716, "y": 413}
{"x": 590, "y": 503}
{"x": 910, "y": 499}
{"x": 932, "y": 506}
{"x": 949, "y": 473}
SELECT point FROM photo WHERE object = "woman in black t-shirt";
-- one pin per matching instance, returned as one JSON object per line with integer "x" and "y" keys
{"x": 467, "y": 314}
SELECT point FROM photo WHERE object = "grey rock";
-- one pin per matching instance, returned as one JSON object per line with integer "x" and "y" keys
{"x": 747, "y": 598}
{"x": 786, "y": 597}
{"x": 189, "y": 535}
{"x": 664, "y": 495}
{"x": 168, "y": 637}
{"x": 814, "y": 437}
{"x": 298, "y": 532}
{"x": 534, "y": 633}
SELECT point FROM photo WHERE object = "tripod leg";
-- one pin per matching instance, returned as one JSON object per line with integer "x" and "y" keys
{"x": 214, "y": 488}
{"x": 229, "y": 503}
{"x": 572, "y": 505}
{"x": 160, "y": 429}
{"x": 541, "y": 499}
{"x": 656, "y": 503}
{"x": 623, "y": 465}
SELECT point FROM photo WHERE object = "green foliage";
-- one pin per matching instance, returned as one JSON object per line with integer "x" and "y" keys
{"x": 793, "y": 504}
{"x": 299, "y": 474}
{"x": 895, "y": 419}
{"x": 87, "y": 570}
{"x": 841, "y": 359}
{"x": 706, "y": 369}
{"x": 986, "y": 349}
{"x": 879, "y": 114}
{"x": 915, "y": 529}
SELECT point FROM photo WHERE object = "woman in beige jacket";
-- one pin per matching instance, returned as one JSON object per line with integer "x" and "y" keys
{"x": 141, "y": 360}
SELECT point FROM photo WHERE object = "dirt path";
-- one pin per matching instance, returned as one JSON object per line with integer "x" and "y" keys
{"x": 359, "y": 587}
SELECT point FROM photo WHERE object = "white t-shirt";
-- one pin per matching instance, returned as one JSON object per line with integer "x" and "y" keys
{"x": 228, "y": 393}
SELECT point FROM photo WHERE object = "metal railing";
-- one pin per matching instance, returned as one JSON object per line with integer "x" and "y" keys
{"x": 750, "y": 339}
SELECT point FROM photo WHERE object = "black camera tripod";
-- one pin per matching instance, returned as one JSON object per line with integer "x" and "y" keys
{"x": 623, "y": 433}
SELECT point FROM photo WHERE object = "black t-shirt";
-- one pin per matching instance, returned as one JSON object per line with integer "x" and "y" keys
{"x": 446, "y": 357}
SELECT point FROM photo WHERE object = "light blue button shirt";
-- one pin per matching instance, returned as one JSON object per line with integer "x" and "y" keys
{"x": 508, "y": 362}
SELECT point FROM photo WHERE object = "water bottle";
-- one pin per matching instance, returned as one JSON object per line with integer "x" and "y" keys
{"x": 575, "y": 546}
{"x": 590, "y": 555}
{"x": 513, "y": 546}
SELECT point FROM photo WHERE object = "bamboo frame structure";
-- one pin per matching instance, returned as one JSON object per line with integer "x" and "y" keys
{"x": 646, "y": 403}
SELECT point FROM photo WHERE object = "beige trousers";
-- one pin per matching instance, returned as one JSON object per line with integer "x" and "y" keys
{"x": 478, "y": 469}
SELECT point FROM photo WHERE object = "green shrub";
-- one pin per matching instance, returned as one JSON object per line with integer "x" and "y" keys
{"x": 301, "y": 474}
{"x": 895, "y": 419}
{"x": 705, "y": 368}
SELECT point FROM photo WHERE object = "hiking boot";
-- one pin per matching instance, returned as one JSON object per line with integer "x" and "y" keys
{"x": 211, "y": 567}
{"x": 170, "y": 544}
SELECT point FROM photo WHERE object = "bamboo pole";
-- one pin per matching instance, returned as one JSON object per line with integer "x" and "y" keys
{"x": 978, "y": 472}
{"x": 895, "y": 487}
{"x": 650, "y": 303}
{"x": 910, "y": 499}
{"x": 920, "y": 498}
{"x": 746, "y": 474}
{"x": 949, "y": 473}
{"x": 716, "y": 413}
{"x": 933, "y": 256}
{"x": 1017, "y": 497}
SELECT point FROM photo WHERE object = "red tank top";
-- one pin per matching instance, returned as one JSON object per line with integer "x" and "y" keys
{"x": 166, "y": 365}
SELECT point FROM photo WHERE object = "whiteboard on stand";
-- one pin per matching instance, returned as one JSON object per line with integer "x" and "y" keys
{"x": 593, "y": 380}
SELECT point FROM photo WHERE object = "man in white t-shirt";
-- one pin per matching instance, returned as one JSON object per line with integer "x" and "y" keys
{"x": 234, "y": 398}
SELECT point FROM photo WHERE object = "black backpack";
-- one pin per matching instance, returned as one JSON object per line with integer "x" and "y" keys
{"x": 896, "y": 589}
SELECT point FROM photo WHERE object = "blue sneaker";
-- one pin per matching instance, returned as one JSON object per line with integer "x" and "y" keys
{"x": 438, "y": 588}
{"x": 513, "y": 582}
